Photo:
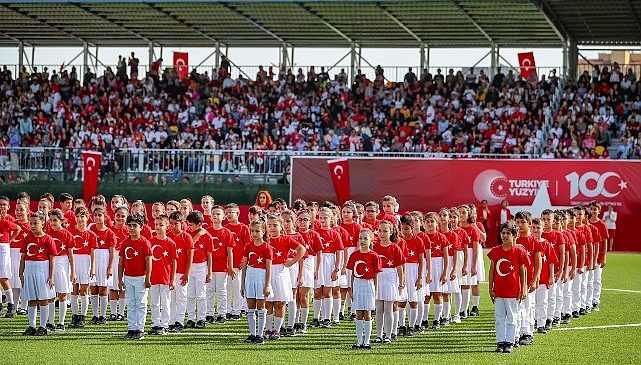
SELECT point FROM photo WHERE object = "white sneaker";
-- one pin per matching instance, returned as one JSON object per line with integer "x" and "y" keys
{"x": 456, "y": 319}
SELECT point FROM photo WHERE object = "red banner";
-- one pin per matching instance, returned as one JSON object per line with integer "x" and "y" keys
{"x": 181, "y": 63}
{"x": 428, "y": 185}
{"x": 91, "y": 166}
{"x": 339, "y": 171}
{"x": 527, "y": 65}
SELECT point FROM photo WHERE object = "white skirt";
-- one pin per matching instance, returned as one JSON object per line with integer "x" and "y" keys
{"x": 281, "y": 285}
{"x": 471, "y": 280}
{"x": 15, "y": 268}
{"x": 5, "y": 261}
{"x": 363, "y": 295}
{"x": 329, "y": 261}
{"x": 102, "y": 263}
{"x": 453, "y": 286}
{"x": 480, "y": 265}
{"x": 411, "y": 275}
{"x": 115, "y": 278}
{"x": 387, "y": 285}
{"x": 437, "y": 271}
{"x": 61, "y": 275}
{"x": 344, "y": 280}
{"x": 36, "y": 275}
{"x": 293, "y": 275}
{"x": 308, "y": 272}
{"x": 254, "y": 283}
{"x": 82, "y": 264}
{"x": 426, "y": 287}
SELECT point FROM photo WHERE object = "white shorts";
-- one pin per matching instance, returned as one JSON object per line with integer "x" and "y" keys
{"x": 254, "y": 283}
{"x": 329, "y": 262}
{"x": 411, "y": 275}
{"x": 61, "y": 275}
{"x": 36, "y": 275}
{"x": 453, "y": 286}
{"x": 480, "y": 265}
{"x": 102, "y": 262}
{"x": 281, "y": 285}
{"x": 437, "y": 270}
{"x": 83, "y": 267}
{"x": 15, "y": 268}
{"x": 363, "y": 295}
{"x": 115, "y": 278}
{"x": 5, "y": 261}
{"x": 387, "y": 285}
{"x": 471, "y": 280}
{"x": 293, "y": 274}
{"x": 308, "y": 272}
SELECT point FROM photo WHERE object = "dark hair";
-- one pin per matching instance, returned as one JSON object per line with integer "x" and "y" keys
{"x": 536, "y": 221}
{"x": 218, "y": 207}
{"x": 82, "y": 211}
{"x": 57, "y": 213}
{"x": 510, "y": 226}
{"x": 299, "y": 204}
{"x": 195, "y": 217}
{"x": 23, "y": 195}
{"x": 162, "y": 217}
{"x": 281, "y": 201}
{"x": 231, "y": 206}
{"x": 547, "y": 212}
{"x": 394, "y": 235}
{"x": 3, "y": 197}
{"x": 595, "y": 203}
{"x": 524, "y": 215}
{"x": 65, "y": 197}
{"x": 39, "y": 214}
{"x": 255, "y": 209}
{"x": 407, "y": 219}
{"x": 136, "y": 218}
{"x": 176, "y": 216}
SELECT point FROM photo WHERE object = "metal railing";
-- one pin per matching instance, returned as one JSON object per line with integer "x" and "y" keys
{"x": 259, "y": 166}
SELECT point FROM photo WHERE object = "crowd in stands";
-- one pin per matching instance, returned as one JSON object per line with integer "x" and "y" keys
{"x": 309, "y": 110}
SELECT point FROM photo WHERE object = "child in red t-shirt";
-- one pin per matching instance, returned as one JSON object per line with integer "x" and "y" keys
{"x": 163, "y": 274}
{"x": 507, "y": 285}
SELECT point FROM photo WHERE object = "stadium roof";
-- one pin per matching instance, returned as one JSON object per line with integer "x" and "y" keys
{"x": 380, "y": 24}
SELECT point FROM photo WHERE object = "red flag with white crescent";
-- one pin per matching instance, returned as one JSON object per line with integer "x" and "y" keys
{"x": 527, "y": 65}
{"x": 91, "y": 166}
{"x": 181, "y": 63}
{"x": 339, "y": 171}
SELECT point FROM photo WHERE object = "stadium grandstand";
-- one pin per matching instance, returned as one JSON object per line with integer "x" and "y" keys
{"x": 234, "y": 119}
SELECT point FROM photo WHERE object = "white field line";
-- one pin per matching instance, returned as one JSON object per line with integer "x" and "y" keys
{"x": 623, "y": 290}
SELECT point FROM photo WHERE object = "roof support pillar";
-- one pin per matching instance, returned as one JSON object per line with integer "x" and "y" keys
{"x": 285, "y": 56}
{"x": 95, "y": 65}
{"x": 573, "y": 58}
{"x": 20, "y": 59}
{"x": 352, "y": 62}
{"x": 85, "y": 60}
{"x": 494, "y": 58}
{"x": 566, "y": 50}
{"x": 217, "y": 57}
{"x": 291, "y": 59}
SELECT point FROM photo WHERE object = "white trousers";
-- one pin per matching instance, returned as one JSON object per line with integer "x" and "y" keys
{"x": 552, "y": 295}
{"x": 136, "y": 302}
{"x": 598, "y": 284}
{"x": 160, "y": 305}
{"x": 178, "y": 302}
{"x": 217, "y": 287}
{"x": 505, "y": 315}
{"x": 584, "y": 289}
{"x": 234, "y": 300}
{"x": 567, "y": 296}
{"x": 589, "y": 293}
{"x": 526, "y": 314}
{"x": 541, "y": 298}
{"x": 576, "y": 292}
{"x": 196, "y": 292}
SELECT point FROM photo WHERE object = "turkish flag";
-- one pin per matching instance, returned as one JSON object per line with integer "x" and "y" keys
{"x": 91, "y": 164}
{"x": 528, "y": 66}
{"x": 181, "y": 63}
{"x": 339, "y": 171}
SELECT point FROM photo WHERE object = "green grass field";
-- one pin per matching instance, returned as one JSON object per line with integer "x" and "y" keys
{"x": 612, "y": 336}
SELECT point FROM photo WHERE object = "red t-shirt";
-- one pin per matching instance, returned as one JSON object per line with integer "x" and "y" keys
{"x": 63, "y": 240}
{"x": 603, "y": 231}
{"x": 391, "y": 256}
{"x": 133, "y": 254}
{"x": 121, "y": 235}
{"x": 221, "y": 240}
{"x": 207, "y": 221}
{"x": 281, "y": 246}
{"x": 201, "y": 246}
{"x": 299, "y": 239}
{"x": 312, "y": 243}
{"x": 481, "y": 228}
{"x": 427, "y": 242}
{"x": 472, "y": 234}
{"x": 364, "y": 265}
{"x": 38, "y": 248}
{"x": 83, "y": 242}
{"x": 184, "y": 243}
{"x": 6, "y": 230}
{"x": 257, "y": 256}
{"x": 454, "y": 243}
{"x": 439, "y": 242}
{"x": 507, "y": 283}
{"x": 531, "y": 246}
{"x": 242, "y": 237}
{"x": 70, "y": 219}
{"x": 163, "y": 254}
{"x": 548, "y": 256}
{"x": 331, "y": 241}
{"x": 556, "y": 238}
{"x": 106, "y": 239}
{"x": 147, "y": 232}
{"x": 463, "y": 237}
{"x": 18, "y": 242}
{"x": 413, "y": 247}
{"x": 346, "y": 239}
{"x": 353, "y": 230}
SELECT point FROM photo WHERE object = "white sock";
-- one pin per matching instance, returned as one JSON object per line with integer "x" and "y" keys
{"x": 337, "y": 309}
{"x": 413, "y": 315}
{"x": 278, "y": 323}
{"x": 31, "y": 313}
{"x": 103, "y": 306}
{"x": 84, "y": 305}
{"x": 251, "y": 319}
{"x": 74, "y": 305}
{"x": 420, "y": 308}
{"x": 465, "y": 293}
{"x": 426, "y": 312}
{"x": 122, "y": 302}
{"x": 327, "y": 308}
{"x": 62, "y": 311}
{"x": 94, "y": 305}
{"x": 476, "y": 299}
{"x": 291, "y": 313}
{"x": 438, "y": 310}
{"x": 52, "y": 313}
{"x": 446, "y": 309}
{"x": 368, "y": 331}
{"x": 359, "y": 332}
{"x": 317, "y": 308}
{"x": 270, "y": 322}
{"x": 457, "y": 299}
{"x": 304, "y": 313}
{"x": 15, "y": 295}
{"x": 9, "y": 294}
{"x": 262, "y": 315}
{"x": 113, "y": 306}
{"x": 395, "y": 322}
{"x": 401, "y": 317}
{"x": 44, "y": 315}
